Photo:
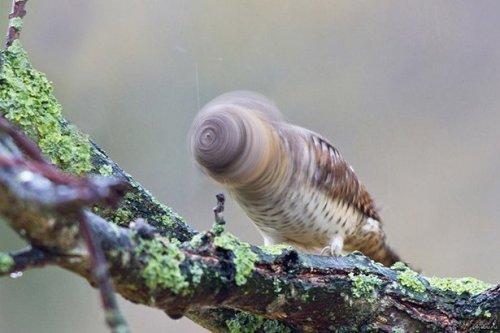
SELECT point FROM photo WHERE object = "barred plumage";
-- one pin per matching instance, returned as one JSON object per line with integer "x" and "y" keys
{"x": 292, "y": 182}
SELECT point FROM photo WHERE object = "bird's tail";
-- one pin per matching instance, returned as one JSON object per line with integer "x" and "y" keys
{"x": 373, "y": 244}
{"x": 381, "y": 253}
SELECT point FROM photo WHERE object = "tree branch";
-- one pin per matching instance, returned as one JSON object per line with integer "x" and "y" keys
{"x": 18, "y": 261}
{"x": 300, "y": 292}
{"x": 156, "y": 259}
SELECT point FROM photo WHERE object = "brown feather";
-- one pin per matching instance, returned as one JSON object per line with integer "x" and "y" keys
{"x": 346, "y": 185}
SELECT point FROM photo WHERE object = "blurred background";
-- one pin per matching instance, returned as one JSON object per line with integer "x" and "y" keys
{"x": 407, "y": 90}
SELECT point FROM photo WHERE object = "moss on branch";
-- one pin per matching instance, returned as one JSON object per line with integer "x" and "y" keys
{"x": 247, "y": 323}
{"x": 459, "y": 286}
{"x": 244, "y": 257}
{"x": 163, "y": 266}
{"x": 27, "y": 100}
{"x": 6, "y": 263}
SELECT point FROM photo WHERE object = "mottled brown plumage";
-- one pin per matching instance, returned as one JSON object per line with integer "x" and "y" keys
{"x": 292, "y": 182}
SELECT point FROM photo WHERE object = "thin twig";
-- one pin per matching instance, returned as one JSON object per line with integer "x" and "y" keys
{"x": 15, "y": 24}
{"x": 29, "y": 257}
{"x": 23, "y": 142}
{"x": 219, "y": 219}
{"x": 100, "y": 273}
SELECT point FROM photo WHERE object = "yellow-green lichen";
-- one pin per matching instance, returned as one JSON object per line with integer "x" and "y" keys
{"x": 164, "y": 219}
{"x": 106, "y": 170}
{"x": 484, "y": 313}
{"x": 244, "y": 257}
{"x": 218, "y": 228}
{"x": 274, "y": 249}
{"x": 16, "y": 23}
{"x": 27, "y": 100}
{"x": 122, "y": 216}
{"x": 6, "y": 263}
{"x": 162, "y": 270}
{"x": 248, "y": 323}
{"x": 408, "y": 278}
{"x": 363, "y": 285}
{"x": 459, "y": 286}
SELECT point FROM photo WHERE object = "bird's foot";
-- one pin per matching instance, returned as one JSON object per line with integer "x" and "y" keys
{"x": 335, "y": 247}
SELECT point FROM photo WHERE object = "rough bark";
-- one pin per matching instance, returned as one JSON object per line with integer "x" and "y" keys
{"x": 156, "y": 259}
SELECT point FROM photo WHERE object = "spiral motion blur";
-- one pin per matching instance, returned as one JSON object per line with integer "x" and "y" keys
{"x": 292, "y": 183}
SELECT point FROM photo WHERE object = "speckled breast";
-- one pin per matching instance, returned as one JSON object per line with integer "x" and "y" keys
{"x": 296, "y": 208}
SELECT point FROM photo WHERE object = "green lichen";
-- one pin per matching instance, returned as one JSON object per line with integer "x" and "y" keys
{"x": 6, "y": 263}
{"x": 274, "y": 326}
{"x": 122, "y": 216}
{"x": 459, "y": 286}
{"x": 408, "y": 278}
{"x": 162, "y": 270}
{"x": 164, "y": 219}
{"x": 247, "y": 323}
{"x": 106, "y": 170}
{"x": 277, "y": 285}
{"x": 218, "y": 229}
{"x": 304, "y": 297}
{"x": 364, "y": 285}
{"x": 196, "y": 273}
{"x": 274, "y": 249}
{"x": 196, "y": 241}
{"x": 16, "y": 23}
{"x": 397, "y": 329}
{"x": 244, "y": 257}
{"x": 484, "y": 313}
{"x": 27, "y": 100}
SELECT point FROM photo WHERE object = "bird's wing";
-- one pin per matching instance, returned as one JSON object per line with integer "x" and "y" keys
{"x": 335, "y": 176}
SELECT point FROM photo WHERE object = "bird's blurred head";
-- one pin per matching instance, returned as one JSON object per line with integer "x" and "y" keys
{"x": 230, "y": 136}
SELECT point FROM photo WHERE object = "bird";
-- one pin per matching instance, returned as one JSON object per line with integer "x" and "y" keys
{"x": 291, "y": 182}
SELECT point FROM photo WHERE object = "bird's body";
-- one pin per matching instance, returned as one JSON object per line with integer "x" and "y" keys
{"x": 292, "y": 183}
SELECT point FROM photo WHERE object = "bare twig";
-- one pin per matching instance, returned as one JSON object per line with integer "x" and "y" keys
{"x": 219, "y": 219}
{"x": 29, "y": 147}
{"x": 15, "y": 24}
{"x": 100, "y": 273}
